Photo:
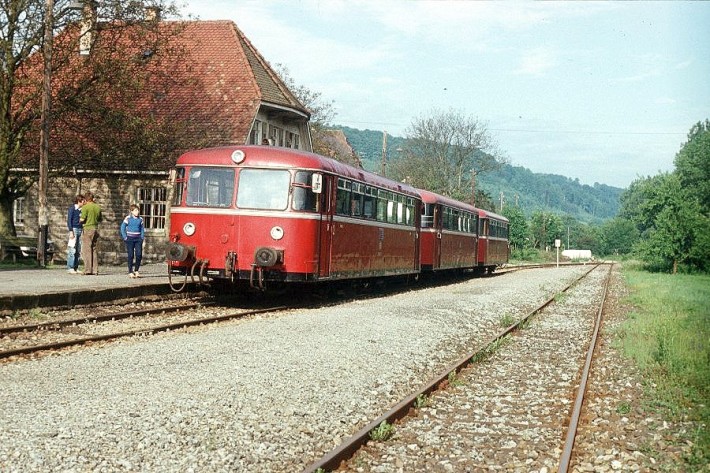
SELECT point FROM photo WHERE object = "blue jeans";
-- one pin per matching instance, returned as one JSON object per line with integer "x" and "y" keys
{"x": 134, "y": 247}
{"x": 73, "y": 254}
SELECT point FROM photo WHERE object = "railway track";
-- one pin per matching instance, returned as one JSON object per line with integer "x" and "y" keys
{"x": 30, "y": 339}
{"x": 506, "y": 405}
{"x": 24, "y": 339}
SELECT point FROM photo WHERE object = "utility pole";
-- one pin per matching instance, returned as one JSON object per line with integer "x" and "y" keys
{"x": 43, "y": 216}
{"x": 501, "y": 201}
{"x": 384, "y": 154}
{"x": 45, "y": 111}
{"x": 473, "y": 187}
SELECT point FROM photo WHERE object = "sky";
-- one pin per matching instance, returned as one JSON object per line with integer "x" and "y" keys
{"x": 603, "y": 92}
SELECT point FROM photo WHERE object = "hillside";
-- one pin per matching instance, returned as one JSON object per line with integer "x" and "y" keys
{"x": 532, "y": 191}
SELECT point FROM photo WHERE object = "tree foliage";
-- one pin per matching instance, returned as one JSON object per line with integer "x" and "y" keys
{"x": 94, "y": 112}
{"x": 669, "y": 219}
{"x": 443, "y": 151}
{"x": 545, "y": 228}
{"x": 693, "y": 164}
{"x": 617, "y": 237}
{"x": 322, "y": 114}
{"x": 518, "y": 230}
{"x": 521, "y": 187}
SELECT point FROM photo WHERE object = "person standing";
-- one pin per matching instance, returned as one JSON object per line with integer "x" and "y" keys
{"x": 75, "y": 230}
{"x": 133, "y": 233}
{"x": 90, "y": 218}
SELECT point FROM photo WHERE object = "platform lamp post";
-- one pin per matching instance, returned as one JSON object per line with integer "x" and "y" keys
{"x": 43, "y": 212}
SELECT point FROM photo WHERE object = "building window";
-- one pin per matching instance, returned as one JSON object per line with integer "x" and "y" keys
{"x": 153, "y": 204}
{"x": 291, "y": 140}
{"x": 277, "y": 135}
{"x": 18, "y": 212}
{"x": 256, "y": 133}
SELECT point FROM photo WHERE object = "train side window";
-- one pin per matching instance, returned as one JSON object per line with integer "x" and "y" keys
{"x": 400, "y": 209}
{"x": 409, "y": 212}
{"x": 369, "y": 207}
{"x": 303, "y": 196}
{"x": 357, "y": 199}
{"x": 382, "y": 199}
{"x": 179, "y": 187}
{"x": 428, "y": 217}
{"x": 342, "y": 198}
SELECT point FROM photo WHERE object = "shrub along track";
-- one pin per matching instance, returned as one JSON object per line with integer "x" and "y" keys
{"x": 507, "y": 406}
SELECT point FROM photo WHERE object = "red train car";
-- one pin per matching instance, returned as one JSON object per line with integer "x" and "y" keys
{"x": 448, "y": 237}
{"x": 493, "y": 244}
{"x": 261, "y": 213}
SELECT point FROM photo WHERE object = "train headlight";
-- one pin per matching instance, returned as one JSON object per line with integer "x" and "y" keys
{"x": 189, "y": 228}
{"x": 277, "y": 233}
{"x": 238, "y": 156}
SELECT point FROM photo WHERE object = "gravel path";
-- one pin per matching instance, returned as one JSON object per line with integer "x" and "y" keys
{"x": 266, "y": 394}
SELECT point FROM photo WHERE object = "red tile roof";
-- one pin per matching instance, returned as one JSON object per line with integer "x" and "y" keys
{"x": 207, "y": 85}
{"x": 232, "y": 74}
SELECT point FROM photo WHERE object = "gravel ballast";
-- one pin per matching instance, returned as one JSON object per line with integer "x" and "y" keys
{"x": 266, "y": 394}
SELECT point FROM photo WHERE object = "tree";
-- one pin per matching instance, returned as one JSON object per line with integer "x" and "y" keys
{"x": 83, "y": 87}
{"x": 693, "y": 164}
{"x": 517, "y": 228}
{"x": 545, "y": 228}
{"x": 322, "y": 114}
{"x": 617, "y": 237}
{"x": 444, "y": 151}
{"x": 672, "y": 226}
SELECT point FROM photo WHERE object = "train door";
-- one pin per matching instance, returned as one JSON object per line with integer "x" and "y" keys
{"x": 483, "y": 241}
{"x": 436, "y": 263}
{"x": 326, "y": 226}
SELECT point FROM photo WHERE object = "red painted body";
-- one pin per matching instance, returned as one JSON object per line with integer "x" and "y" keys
{"x": 493, "y": 243}
{"x": 448, "y": 234}
{"x": 257, "y": 220}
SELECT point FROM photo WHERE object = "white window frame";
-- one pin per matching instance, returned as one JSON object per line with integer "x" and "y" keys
{"x": 18, "y": 212}
{"x": 152, "y": 209}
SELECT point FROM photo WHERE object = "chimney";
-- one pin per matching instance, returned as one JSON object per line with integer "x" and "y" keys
{"x": 88, "y": 28}
{"x": 152, "y": 14}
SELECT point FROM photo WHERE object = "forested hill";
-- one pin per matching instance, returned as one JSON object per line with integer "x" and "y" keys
{"x": 532, "y": 191}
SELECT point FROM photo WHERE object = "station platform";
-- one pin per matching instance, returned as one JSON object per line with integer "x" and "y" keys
{"x": 24, "y": 289}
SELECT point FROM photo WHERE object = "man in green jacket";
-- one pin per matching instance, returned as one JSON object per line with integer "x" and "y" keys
{"x": 90, "y": 219}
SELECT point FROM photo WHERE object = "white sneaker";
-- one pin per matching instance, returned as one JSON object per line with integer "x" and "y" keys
{"x": 72, "y": 271}
{"x": 132, "y": 275}
{"x": 137, "y": 274}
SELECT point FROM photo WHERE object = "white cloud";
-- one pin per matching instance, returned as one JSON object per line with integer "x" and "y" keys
{"x": 665, "y": 101}
{"x": 536, "y": 62}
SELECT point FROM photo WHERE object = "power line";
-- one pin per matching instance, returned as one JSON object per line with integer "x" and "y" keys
{"x": 588, "y": 132}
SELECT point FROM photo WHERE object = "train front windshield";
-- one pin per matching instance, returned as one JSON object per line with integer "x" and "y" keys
{"x": 264, "y": 189}
{"x": 260, "y": 189}
{"x": 210, "y": 187}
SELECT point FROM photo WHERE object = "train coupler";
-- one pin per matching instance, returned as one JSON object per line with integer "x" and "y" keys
{"x": 258, "y": 272}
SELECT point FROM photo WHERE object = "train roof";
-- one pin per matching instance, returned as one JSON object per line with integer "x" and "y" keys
{"x": 277, "y": 157}
{"x": 487, "y": 214}
{"x": 429, "y": 197}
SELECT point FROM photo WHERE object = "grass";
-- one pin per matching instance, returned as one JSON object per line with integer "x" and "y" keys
{"x": 668, "y": 336}
{"x": 382, "y": 432}
{"x": 422, "y": 400}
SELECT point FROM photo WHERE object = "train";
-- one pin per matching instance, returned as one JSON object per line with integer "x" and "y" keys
{"x": 267, "y": 216}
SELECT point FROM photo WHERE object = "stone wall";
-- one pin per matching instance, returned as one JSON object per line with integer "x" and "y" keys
{"x": 114, "y": 193}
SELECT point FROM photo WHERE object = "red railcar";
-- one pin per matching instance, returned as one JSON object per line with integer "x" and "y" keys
{"x": 261, "y": 213}
{"x": 448, "y": 235}
{"x": 493, "y": 244}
